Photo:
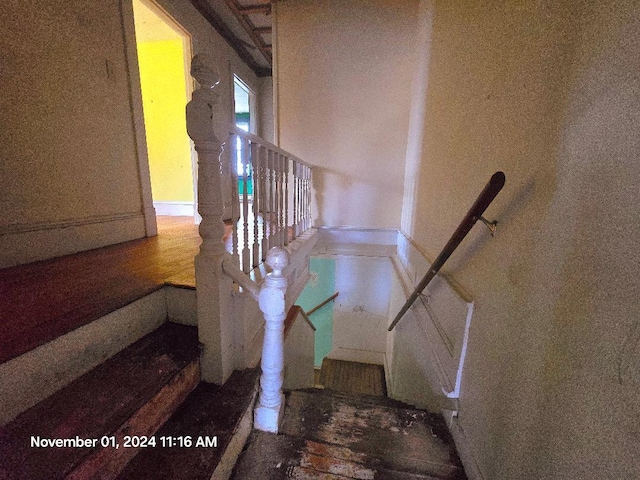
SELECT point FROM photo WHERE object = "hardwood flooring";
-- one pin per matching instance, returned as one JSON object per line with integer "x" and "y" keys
{"x": 352, "y": 377}
{"x": 43, "y": 300}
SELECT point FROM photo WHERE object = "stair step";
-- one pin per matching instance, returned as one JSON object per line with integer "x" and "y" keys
{"x": 130, "y": 394}
{"x": 352, "y": 377}
{"x": 272, "y": 457}
{"x": 221, "y": 411}
{"x": 391, "y": 438}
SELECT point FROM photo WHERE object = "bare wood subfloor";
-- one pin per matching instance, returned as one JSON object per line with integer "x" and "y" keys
{"x": 43, "y": 300}
{"x": 352, "y": 377}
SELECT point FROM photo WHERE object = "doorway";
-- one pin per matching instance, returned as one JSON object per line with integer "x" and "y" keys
{"x": 164, "y": 53}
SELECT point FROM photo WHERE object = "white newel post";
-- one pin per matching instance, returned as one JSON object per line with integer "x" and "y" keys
{"x": 215, "y": 330}
{"x": 268, "y": 413}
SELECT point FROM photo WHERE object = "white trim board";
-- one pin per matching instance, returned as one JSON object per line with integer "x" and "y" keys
{"x": 27, "y": 243}
{"x": 174, "y": 209}
{"x": 374, "y": 242}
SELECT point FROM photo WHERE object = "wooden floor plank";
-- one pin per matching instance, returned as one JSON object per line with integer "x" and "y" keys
{"x": 44, "y": 300}
{"x": 353, "y": 377}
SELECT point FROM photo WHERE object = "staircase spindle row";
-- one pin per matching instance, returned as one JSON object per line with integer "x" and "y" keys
{"x": 269, "y": 197}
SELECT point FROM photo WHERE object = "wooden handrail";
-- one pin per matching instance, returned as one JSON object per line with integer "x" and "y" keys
{"x": 254, "y": 138}
{"x": 322, "y": 304}
{"x": 474, "y": 214}
{"x": 292, "y": 314}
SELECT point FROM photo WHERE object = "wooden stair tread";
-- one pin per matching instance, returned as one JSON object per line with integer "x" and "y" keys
{"x": 353, "y": 377}
{"x": 399, "y": 439}
{"x": 272, "y": 457}
{"x": 146, "y": 379}
{"x": 210, "y": 410}
{"x": 46, "y": 299}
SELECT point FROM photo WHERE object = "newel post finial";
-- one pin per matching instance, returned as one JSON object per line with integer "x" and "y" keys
{"x": 268, "y": 413}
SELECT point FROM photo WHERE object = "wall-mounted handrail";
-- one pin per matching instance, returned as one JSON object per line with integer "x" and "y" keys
{"x": 474, "y": 214}
{"x": 322, "y": 304}
{"x": 292, "y": 314}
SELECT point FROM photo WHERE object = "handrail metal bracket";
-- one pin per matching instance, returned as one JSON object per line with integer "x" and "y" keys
{"x": 492, "y": 226}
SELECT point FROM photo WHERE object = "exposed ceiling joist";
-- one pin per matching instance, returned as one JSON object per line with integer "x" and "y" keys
{"x": 263, "y": 8}
{"x": 246, "y": 27}
{"x": 241, "y": 13}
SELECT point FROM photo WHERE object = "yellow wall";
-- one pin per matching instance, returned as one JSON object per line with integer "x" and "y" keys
{"x": 164, "y": 98}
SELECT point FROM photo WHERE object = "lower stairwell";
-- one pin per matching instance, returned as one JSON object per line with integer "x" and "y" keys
{"x": 330, "y": 434}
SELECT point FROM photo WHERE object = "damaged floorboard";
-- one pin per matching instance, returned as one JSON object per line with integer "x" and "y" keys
{"x": 333, "y": 435}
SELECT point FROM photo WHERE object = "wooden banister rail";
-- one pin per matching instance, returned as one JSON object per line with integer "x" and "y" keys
{"x": 474, "y": 214}
{"x": 322, "y": 304}
{"x": 292, "y": 315}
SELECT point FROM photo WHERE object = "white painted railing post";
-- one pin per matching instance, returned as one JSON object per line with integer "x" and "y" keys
{"x": 215, "y": 330}
{"x": 268, "y": 413}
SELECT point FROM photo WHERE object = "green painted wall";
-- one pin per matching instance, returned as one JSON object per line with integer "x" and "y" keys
{"x": 321, "y": 287}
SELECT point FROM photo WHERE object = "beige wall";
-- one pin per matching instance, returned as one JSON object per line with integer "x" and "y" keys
{"x": 70, "y": 177}
{"x": 343, "y": 94}
{"x": 68, "y": 159}
{"x": 548, "y": 93}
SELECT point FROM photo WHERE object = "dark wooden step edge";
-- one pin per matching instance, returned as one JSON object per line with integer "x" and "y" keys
{"x": 107, "y": 463}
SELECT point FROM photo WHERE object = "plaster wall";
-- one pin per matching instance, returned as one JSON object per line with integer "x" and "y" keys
{"x": 74, "y": 172}
{"x": 67, "y": 142}
{"x": 548, "y": 93}
{"x": 343, "y": 89}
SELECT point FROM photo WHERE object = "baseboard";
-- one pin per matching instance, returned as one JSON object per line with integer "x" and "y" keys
{"x": 25, "y": 243}
{"x": 471, "y": 467}
{"x": 174, "y": 209}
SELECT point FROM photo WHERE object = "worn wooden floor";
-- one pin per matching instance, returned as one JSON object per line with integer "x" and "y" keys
{"x": 352, "y": 377}
{"x": 332, "y": 435}
{"x": 41, "y": 301}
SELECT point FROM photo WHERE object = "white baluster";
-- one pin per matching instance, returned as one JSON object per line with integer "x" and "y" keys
{"x": 294, "y": 222}
{"x": 235, "y": 197}
{"x": 255, "y": 169}
{"x": 214, "y": 300}
{"x": 246, "y": 255}
{"x": 268, "y": 413}
{"x": 263, "y": 202}
{"x": 285, "y": 173}
{"x": 272, "y": 200}
{"x": 281, "y": 219}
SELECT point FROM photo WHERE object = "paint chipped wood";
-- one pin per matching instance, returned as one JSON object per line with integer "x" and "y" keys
{"x": 332, "y": 435}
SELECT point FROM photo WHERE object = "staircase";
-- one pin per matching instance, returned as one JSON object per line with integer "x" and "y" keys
{"x": 330, "y": 434}
{"x": 96, "y": 425}
{"x": 143, "y": 414}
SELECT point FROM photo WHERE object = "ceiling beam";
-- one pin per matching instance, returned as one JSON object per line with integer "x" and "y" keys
{"x": 219, "y": 26}
{"x": 262, "y": 8}
{"x": 261, "y": 30}
{"x": 250, "y": 27}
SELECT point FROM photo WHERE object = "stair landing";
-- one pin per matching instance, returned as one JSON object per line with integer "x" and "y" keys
{"x": 332, "y": 435}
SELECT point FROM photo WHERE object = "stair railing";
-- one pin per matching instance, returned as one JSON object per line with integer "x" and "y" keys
{"x": 489, "y": 192}
{"x": 271, "y": 204}
{"x": 217, "y": 269}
